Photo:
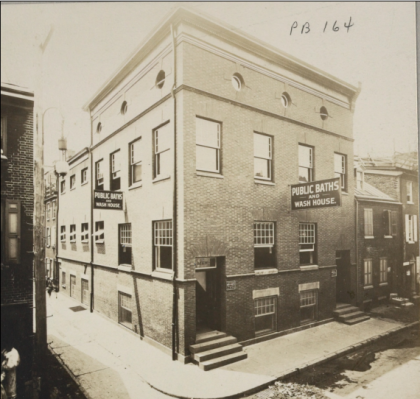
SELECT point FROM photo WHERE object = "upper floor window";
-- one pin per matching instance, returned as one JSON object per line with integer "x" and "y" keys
{"x": 264, "y": 253}
{"x": 48, "y": 211}
{"x": 307, "y": 243}
{"x": 10, "y": 231}
{"x": 124, "y": 247}
{"x": 410, "y": 191}
{"x": 54, "y": 209}
{"x": 367, "y": 272}
{"x": 368, "y": 222}
{"x": 63, "y": 233}
{"x": 383, "y": 270}
{"x": 340, "y": 167}
{"x": 84, "y": 176}
{"x": 72, "y": 233}
{"x": 72, "y": 182}
{"x": 208, "y": 140}
{"x": 306, "y": 164}
{"x": 3, "y": 136}
{"x": 161, "y": 147}
{"x": 115, "y": 163}
{"x": 263, "y": 155}
{"x": 359, "y": 180}
{"x": 135, "y": 162}
{"x": 100, "y": 232}
{"x": 99, "y": 178}
{"x": 162, "y": 244}
{"x": 390, "y": 223}
{"x": 63, "y": 186}
{"x": 48, "y": 237}
{"x": 411, "y": 228}
{"x": 84, "y": 235}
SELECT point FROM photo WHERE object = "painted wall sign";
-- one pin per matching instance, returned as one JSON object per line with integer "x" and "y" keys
{"x": 107, "y": 200}
{"x": 317, "y": 194}
{"x": 205, "y": 263}
{"x": 231, "y": 285}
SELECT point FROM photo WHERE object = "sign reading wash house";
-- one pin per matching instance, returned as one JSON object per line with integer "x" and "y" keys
{"x": 317, "y": 194}
{"x": 108, "y": 200}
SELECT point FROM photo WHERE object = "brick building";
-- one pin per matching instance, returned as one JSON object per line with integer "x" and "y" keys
{"x": 17, "y": 205}
{"x": 51, "y": 204}
{"x": 185, "y": 190}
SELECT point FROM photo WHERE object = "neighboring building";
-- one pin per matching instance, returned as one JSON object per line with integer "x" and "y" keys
{"x": 17, "y": 207}
{"x": 51, "y": 205}
{"x": 203, "y": 146}
{"x": 379, "y": 243}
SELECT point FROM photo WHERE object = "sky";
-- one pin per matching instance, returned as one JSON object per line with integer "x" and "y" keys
{"x": 91, "y": 40}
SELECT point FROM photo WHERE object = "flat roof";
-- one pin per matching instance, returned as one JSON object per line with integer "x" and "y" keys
{"x": 12, "y": 90}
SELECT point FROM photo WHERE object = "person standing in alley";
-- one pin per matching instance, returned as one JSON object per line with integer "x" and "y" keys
{"x": 9, "y": 364}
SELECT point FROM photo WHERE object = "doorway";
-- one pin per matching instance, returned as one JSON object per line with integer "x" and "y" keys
{"x": 343, "y": 279}
{"x": 73, "y": 286}
{"x": 208, "y": 300}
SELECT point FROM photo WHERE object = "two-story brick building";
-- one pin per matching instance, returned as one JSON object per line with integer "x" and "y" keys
{"x": 183, "y": 223}
{"x": 17, "y": 206}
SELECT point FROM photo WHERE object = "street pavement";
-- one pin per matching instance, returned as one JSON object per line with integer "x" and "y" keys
{"x": 108, "y": 361}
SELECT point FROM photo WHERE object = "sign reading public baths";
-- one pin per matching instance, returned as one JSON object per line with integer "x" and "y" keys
{"x": 317, "y": 194}
{"x": 107, "y": 200}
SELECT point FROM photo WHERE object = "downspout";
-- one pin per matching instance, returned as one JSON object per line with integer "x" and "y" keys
{"x": 92, "y": 275}
{"x": 56, "y": 228}
{"x": 357, "y": 250}
{"x": 174, "y": 213}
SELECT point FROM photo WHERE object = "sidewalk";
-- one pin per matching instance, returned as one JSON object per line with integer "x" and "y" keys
{"x": 109, "y": 362}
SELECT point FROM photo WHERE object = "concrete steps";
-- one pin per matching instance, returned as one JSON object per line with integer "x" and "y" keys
{"x": 215, "y": 349}
{"x": 349, "y": 314}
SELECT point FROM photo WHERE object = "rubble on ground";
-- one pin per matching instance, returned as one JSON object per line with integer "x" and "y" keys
{"x": 291, "y": 390}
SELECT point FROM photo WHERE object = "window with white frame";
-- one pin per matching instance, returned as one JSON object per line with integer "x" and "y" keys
{"x": 162, "y": 243}
{"x": 308, "y": 306}
{"x": 135, "y": 162}
{"x": 84, "y": 235}
{"x": 124, "y": 247}
{"x": 48, "y": 212}
{"x": 63, "y": 233}
{"x": 53, "y": 236}
{"x": 409, "y": 186}
{"x": 161, "y": 152}
{"x": 54, "y": 209}
{"x": 306, "y": 164}
{"x": 411, "y": 228}
{"x": 367, "y": 272}
{"x": 359, "y": 180}
{"x": 390, "y": 223}
{"x": 63, "y": 186}
{"x": 125, "y": 309}
{"x": 264, "y": 241}
{"x": 99, "y": 175}
{"x": 72, "y": 182}
{"x": 208, "y": 142}
{"x": 263, "y": 155}
{"x": 115, "y": 162}
{"x": 10, "y": 231}
{"x": 265, "y": 312}
{"x": 383, "y": 270}
{"x": 307, "y": 243}
{"x": 100, "y": 232}
{"x": 368, "y": 222}
{"x": 340, "y": 167}
{"x": 84, "y": 176}
{"x": 48, "y": 237}
{"x": 72, "y": 233}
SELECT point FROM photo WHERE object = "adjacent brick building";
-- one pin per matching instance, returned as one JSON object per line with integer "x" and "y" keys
{"x": 51, "y": 205}
{"x": 17, "y": 205}
{"x": 195, "y": 143}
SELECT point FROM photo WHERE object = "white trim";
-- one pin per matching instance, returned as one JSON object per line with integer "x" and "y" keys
{"x": 215, "y": 175}
{"x": 135, "y": 185}
{"x": 266, "y": 292}
{"x": 160, "y": 178}
{"x": 263, "y": 272}
{"x": 369, "y": 237}
{"x": 125, "y": 290}
{"x": 383, "y": 284}
{"x": 310, "y": 267}
{"x": 309, "y": 286}
{"x": 368, "y": 287}
{"x": 388, "y": 236}
{"x": 266, "y": 183}
{"x": 85, "y": 158}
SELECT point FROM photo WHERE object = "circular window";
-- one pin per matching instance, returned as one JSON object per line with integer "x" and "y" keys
{"x": 160, "y": 79}
{"x": 124, "y": 107}
{"x": 99, "y": 127}
{"x": 285, "y": 100}
{"x": 237, "y": 81}
{"x": 323, "y": 113}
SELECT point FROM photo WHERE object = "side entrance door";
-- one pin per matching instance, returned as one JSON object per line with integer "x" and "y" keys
{"x": 85, "y": 292}
{"x": 343, "y": 291}
{"x": 73, "y": 286}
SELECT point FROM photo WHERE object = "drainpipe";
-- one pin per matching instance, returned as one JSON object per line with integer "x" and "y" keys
{"x": 174, "y": 213}
{"x": 357, "y": 250}
{"x": 92, "y": 274}
{"x": 57, "y": 186}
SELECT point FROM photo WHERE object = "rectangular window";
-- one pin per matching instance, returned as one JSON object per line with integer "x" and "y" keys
{"x": 85, "y": 291}
{"x": 48, "y": 212}
{"x": 263, "y": 155}
{"x": 340, "y": 168}
{"x": 84, "y": 235}
{"x": 367, "y": 271}
{"x": 308, "y": 306}
{"x": 54, "y": 209}
{"x": 383, "y": 270}
{"x": 48, "y": 237}
{"x": 99, "y": 175}
{"x": 53, "y": 236}
{"x": 3, "y": 136}
{"x": 63, "y": 279}
{"x": 63, "y": 186}
{"x": 124, "y": 247}
{"x": 72, "y": 182}
{"x": 307, "y": 243}
{"x": 306, "y": 164}
{"x": 125, "y": 309}
{"x": 161, "y": 153}
{"x": 11, "y": 228}
{"x": 72, "y": 233}
{"x": 368, "y": 222}
{"x": 409, "y": 186}
{"x": 359, "y": 180}
{"x": 84, "y": 176}
{"x": 162, "y": 243}
{"x": 411, "y": 228}
{"x": 135, "y": 162}
{"x": 265, "y": 312}
{"x": 47, "y": 267}
{"x": 387, "y": 215}
{"x": 264, "y": 253}
{"x": 207, "y": 149}
{"x": 63, "y": 233}
{"x": 394, "y": 223}
{"x": 115, "y": 162}
{"x": 100, "y": 232}
{"x": 72, "y": 286}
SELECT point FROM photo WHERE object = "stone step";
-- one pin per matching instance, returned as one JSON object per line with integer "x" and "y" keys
{"x": 216, "y": 343}
{"x": 343, "y": 311}
{"x": 342, "y": 306}
{"x": 356, "y": 320}
{"x": 352, "y": 315}
{"x": 209, "y": 336}
{"x": 222, "y": 361}
{"x": 217, "y": 352}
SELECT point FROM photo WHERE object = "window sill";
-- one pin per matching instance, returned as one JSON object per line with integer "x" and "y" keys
{"x": 309, "y": 267}
{"x": 63, "y": 192}
{"x": 100, "y": 242}
{"x": 125, "y": 267}
{"x": 85, "y": 242}
{"x": 72, "y": 241}
{"x": 368, "y": 287}
{"x": 82, "y": 184}
{"x": 263, "y": 272}
{"x": 136, "y": 185}
{"x": 164, "y": 274}
{"x": 387, "y": 236}
{"x": 383, "y": 284}
{"x": 410, "y": 242}
{"x": 369, "y": 237}
{"x": 72, "y": 189}
{"x": 264, "y": 182}
{"x": 410, "y": 203}
{"x": 215, "y": 175}
{"x": 63, "y": 286}
{"x": 63, "y": 241}
{"x": 160, "y": 178}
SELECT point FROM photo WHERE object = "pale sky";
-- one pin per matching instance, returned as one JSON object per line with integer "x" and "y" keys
{"x": 90, "y": 40}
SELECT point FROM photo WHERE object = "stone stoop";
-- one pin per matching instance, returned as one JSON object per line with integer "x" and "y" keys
{"x": 349, "y": 314}
{"x": 216, "y": 349}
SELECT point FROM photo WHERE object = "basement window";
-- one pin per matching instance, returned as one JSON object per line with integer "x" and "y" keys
{"x": 308, "y": 306}
{"x": 124, "y": 310}
{"x": 265, "y": 312}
